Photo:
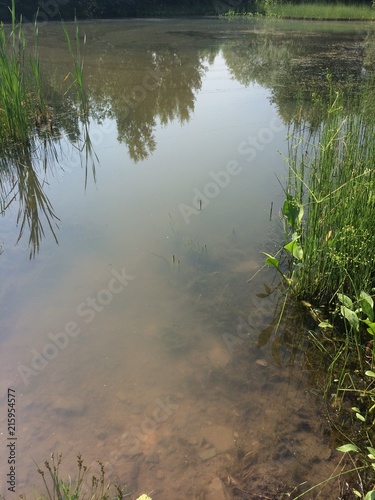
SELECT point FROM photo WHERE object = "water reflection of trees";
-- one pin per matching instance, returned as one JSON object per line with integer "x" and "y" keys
{"x": 294, "y": 67}
{"x": 143, "y": 89}
{"x": 140, "y": 88}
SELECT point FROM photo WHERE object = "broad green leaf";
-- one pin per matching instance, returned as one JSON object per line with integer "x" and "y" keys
{"x": 345, "y": 300}
{"x": 325, "y": 324}
{"x": 293, "y": 211}
{"x": 348, "y": 447}
{"x": 271, "y": 261}
{"x": 371, "y": 326}
{"x": 295, "y": 249}
{"x": 351, "y": 317}
{"x": 356, "y": 493}
{"x": 370, "y": 495}
{"x": 367, "y": 305}
{"x": 371, "y": 450}
{"x": 367, "y": 297}
{"x": 370, "y": 373}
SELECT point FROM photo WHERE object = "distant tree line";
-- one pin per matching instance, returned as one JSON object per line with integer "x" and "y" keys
{"x": 90, "y": 9}
{"x": 86, "y": 9}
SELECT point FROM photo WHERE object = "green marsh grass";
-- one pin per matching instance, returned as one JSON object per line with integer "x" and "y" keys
{"x": 24, "y": 113}
{"x": 310, "y": 10}
{"x": 329, "y": 212}
{"x": 30, "y": 130}
{"x": 77, "y": 74}
{"x": 20, "y": 91}
{"x": 321, "y": 11}
{"x": 332, "y": 176}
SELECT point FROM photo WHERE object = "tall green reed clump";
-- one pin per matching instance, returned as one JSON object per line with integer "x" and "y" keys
{"x": 21, "y": 102}
{"x": 330, "y": 201}
{"x": 77, "y": 56}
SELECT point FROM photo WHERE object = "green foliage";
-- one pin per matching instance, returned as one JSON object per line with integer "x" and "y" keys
{"x": 77, "y": 74}
{"x": 329, "y": 205}
{"x": 29, "y": 131}
{"x": 319, "y": 10}
{"x": 308, "y": 10}
{"x": 20, "y": 91}
{"x": 24, "y": 114}
{"x": 293, "y": 212}
{"x": 328, "y": 214}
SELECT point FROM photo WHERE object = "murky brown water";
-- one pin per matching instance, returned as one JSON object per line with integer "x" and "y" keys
{"x": 137, "y": 340}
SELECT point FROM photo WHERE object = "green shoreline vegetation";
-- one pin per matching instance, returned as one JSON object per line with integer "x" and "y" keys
{"x": 327, "y": 261}
{"x": 323, "y": 11}
{"x": 308, "y": 11}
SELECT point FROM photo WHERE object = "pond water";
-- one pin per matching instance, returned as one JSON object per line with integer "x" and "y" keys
{"x": 138, "y": 339}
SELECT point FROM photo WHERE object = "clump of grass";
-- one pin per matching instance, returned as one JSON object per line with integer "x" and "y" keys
{"x": 21, "y": 103}
{"x": 77, "y": 74}
{"x": 24, "y": 113}
{"x": 28, "y": 131}
{"x": 94, "y": 488}
{"x": 82, "y": 487}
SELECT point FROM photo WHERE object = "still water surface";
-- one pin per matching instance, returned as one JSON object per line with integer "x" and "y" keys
{"x": 137, "y": 339}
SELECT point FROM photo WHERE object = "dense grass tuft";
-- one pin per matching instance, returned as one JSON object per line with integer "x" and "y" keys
{"x": 24, "y": 113}
{"x": 332, "y": 176}
{"x": 21, "y": 103}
